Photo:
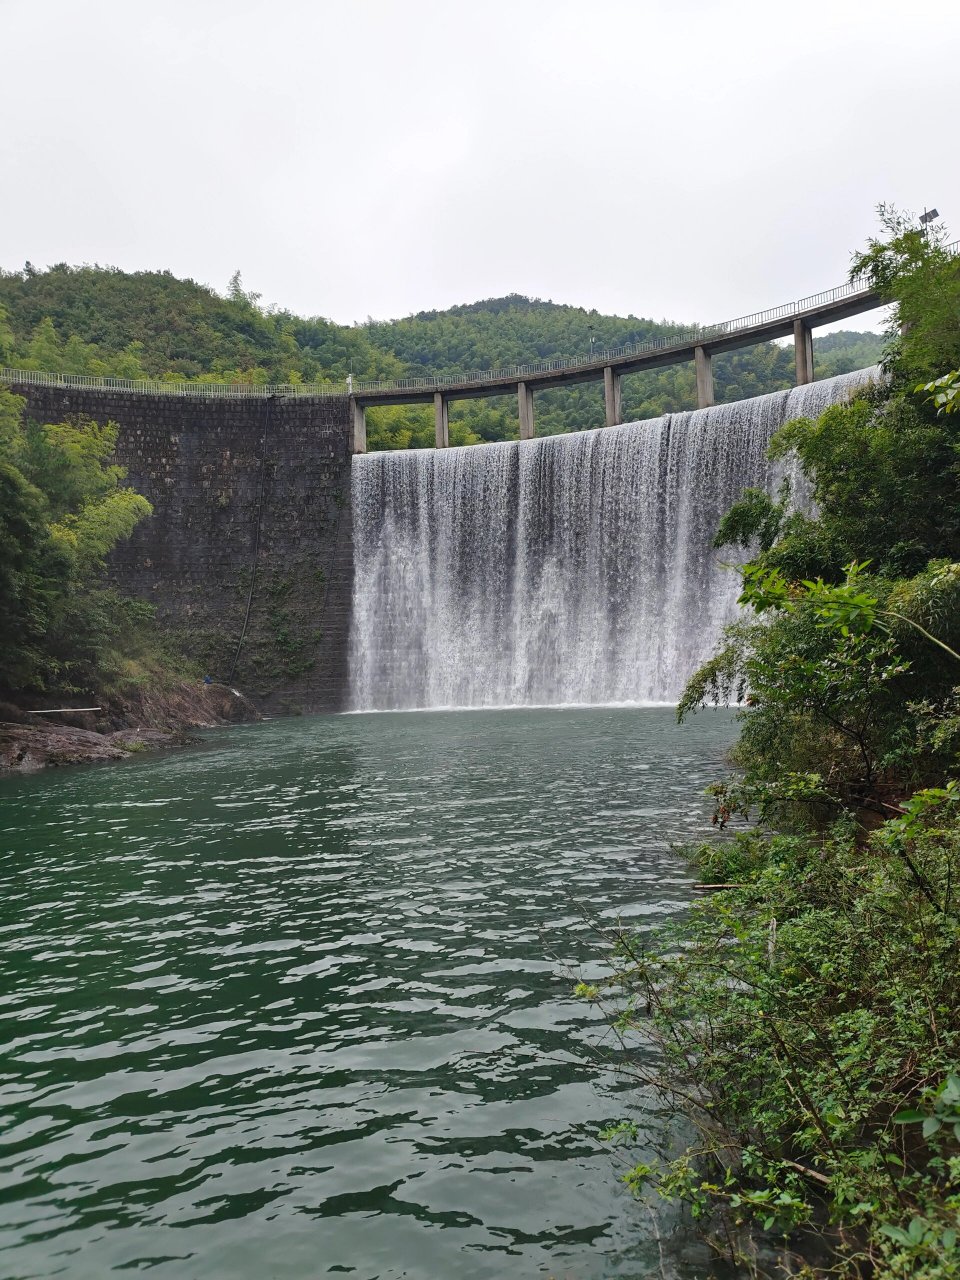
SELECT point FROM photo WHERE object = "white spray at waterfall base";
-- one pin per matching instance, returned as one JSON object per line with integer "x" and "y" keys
{"x": 573, "y": 569}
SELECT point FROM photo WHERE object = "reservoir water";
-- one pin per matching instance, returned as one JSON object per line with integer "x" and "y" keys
{"x": 298, "y": 1002}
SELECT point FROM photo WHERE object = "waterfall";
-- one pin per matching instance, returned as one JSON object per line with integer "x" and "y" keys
{"x": 563, "y": 570}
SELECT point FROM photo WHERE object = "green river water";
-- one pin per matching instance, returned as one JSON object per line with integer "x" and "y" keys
{"x": 297, "y": 1002}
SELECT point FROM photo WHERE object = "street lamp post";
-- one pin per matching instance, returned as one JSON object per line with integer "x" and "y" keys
{"x": 926, "y": 218}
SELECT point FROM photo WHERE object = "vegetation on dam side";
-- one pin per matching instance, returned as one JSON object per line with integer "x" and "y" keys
{"x": 808, "y": 1009}
{"x": 64, "y": 507}
{"x": 93, "y": 320}
{"x": 65, "y": 633}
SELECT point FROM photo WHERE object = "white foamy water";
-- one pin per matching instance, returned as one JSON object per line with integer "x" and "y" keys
{"x": 574, "y": 569}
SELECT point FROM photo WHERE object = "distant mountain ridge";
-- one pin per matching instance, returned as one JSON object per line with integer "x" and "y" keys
{"x": 152, "y": 324}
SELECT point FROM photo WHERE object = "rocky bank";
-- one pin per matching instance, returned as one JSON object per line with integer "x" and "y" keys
{"x": 142, "y": 720}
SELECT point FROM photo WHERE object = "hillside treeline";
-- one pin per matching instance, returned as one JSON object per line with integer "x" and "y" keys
{"x": 149, "y": 324}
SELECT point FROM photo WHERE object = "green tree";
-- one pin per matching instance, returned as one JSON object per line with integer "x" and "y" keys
{"x": 913, "y": 268}
{"x": 807, "y": 1013}
{"x": 63, "y": 508}
{"x": 31, "y": 574}
{"x": 77, "y": 357}
{"x": 7, "y": 339}
{"x": 45, "y": 351}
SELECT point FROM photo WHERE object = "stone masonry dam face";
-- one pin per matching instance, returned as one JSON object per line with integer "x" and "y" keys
{"x": 569, "y": 569}
{"x": 232, "y": 480}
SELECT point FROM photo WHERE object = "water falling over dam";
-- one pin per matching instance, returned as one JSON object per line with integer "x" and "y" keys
{"x": 574, "y": 569}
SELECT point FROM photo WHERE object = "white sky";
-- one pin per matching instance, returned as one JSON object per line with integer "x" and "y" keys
{"x": 683, "y": 159}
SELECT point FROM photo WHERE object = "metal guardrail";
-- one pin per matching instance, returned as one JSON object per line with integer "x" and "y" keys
{"x": 218, "y": 390}
{"x": 512, "y": 373}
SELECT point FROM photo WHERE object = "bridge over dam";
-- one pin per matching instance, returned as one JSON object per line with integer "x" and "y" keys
{"x": 252, "y": 555}
{"x": 797, "y": 319}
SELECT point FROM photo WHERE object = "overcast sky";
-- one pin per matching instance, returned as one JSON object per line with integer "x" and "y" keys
{"x": 688, "y": 160}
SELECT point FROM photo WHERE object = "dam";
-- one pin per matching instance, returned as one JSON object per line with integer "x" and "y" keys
{"x": 574, "y": 569}
{"x": 571, "y": 570}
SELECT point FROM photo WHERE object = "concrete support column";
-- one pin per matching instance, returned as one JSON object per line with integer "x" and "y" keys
{"x": 525, "y": 399}
{"x": 441, "y": 418}
{"x": 803, "y": 351}
{"x": 611, "y": 396}
{"x": 701, "y": 357}
{"x": 359, "y": 419}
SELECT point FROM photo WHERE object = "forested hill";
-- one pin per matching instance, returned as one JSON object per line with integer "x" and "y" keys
{"x": 505, "y": 331}
{"x": 516, "y": 330}
{"x": 151, "y": 324}
{"x": 95, "y": 320}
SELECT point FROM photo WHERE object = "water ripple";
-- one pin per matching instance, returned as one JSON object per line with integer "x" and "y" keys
{"x": 298, "y": 1002}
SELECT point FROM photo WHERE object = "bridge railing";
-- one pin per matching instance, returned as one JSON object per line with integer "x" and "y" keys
{"x": 147, "y": 386}
{"x": 431, "y": 382}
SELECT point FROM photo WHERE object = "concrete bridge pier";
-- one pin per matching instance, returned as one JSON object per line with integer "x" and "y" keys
{"x": 525, "y": 399}
{"x": 612, "y": 398}
{"x": 803, "y": 351}
{"x": 441, "y": 418}
{"x": 358, "y": 420}
{"x": 701, "y": 357}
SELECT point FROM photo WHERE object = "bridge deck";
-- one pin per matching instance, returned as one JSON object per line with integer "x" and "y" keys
{"x": 504, "y": 382}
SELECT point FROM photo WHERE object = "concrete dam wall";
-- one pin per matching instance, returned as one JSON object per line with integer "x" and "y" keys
{"x": 573, "y": 569}
{"x": 245, "y": 490}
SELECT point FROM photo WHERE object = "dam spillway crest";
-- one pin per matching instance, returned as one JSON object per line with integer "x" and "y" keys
{"x": 575, "y": 569}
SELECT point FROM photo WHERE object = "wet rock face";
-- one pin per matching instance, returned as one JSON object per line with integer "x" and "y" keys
{"x": 190, "y": 704}
{"x": 27, "y": 748}
{"x": 149, "y": 719}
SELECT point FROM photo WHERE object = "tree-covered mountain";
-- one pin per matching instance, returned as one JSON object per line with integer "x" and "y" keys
{"x": 150, "y": 324}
